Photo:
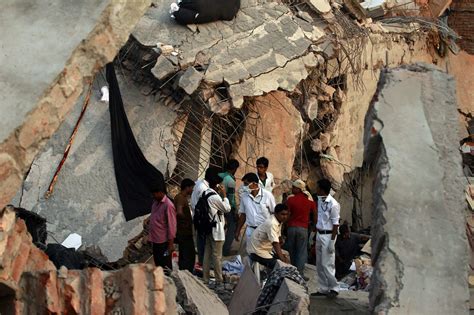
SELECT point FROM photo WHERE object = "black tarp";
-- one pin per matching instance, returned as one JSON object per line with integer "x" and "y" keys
{"x": 205, "y": 11}
{"x": 134, "y": 174}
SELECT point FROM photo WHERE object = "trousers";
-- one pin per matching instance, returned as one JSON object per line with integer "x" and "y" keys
{"x": 229, "y": 234}
{"x": 297, "y": 243}
{"x": 187, "y": 253}
{"x": 161, "y": 256}
{"x": 325, "y": 264}
{"x": 212, "y": 252}
{"x": 201, "y": 246}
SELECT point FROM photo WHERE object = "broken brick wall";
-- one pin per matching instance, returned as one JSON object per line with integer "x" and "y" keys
{"x": 461, "y": 17}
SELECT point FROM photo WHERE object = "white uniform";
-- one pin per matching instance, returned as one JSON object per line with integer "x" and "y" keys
{"x": 257, "y": 209}
{"x": 328, "y": 216}
{"x": 269, "y": 182}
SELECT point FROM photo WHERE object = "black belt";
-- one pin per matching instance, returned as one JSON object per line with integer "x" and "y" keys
{"x": 324, "y": 232}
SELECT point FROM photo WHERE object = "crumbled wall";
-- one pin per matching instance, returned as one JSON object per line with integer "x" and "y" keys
{"x": 46, "y": 64}
{"x": 30, "y": 284}
{"x": 460, "y": 19}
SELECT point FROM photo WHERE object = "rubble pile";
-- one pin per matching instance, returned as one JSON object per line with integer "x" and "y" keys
{"x": 30, "y": 283}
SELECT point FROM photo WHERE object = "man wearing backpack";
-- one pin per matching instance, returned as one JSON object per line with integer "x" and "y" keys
{"x": 201, "y": 186}
{"x": 214, "y": 204}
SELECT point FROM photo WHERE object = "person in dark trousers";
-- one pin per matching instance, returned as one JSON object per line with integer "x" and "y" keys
{"x": 162, "y": 227}
{"x": 301, "y": 208}
{"x": 228, "y": 181}
{"x": 264, "y": 245}
{"x": 184, "y": 234}
{"x": 348, "y": 246}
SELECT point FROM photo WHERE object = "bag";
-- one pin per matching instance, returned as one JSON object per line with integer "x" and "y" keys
{"x": 203, "y": 222}
{"x": 205, "y": 11}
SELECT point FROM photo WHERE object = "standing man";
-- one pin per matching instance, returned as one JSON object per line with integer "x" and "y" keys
{"x": 184, "y": 234}
{"x": 228, "y": 181}
{"x": 162, "y": 227}
{"x": 327, "y": 224}
{"x": 300, "y": 210}
{"x": 201, "y": 186}
{"x": 218, "y": 206}
{"x": 256, "y": 206}
{"x": 267, "y": 238}
{"x": 265, "y": 178}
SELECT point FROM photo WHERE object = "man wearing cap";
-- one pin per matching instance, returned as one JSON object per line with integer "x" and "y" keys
{"x": 256, "y": 206}
{"x": 301, "y": 207}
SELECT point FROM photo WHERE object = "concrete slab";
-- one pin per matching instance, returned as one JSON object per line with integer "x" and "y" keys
{"x": 418, "y": 244}
{"x": 244, "y": 298}
{"x": 85, "y": 199}
{"x": 195, "y": 297}
{"x": 47, "y": 59}
{"x": 346, "y": 303}
{"x": 291, "y": 298}
{"x": 258, "y": 52}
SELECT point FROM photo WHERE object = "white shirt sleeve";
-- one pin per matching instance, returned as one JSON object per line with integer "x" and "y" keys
{"x": 271, "y": 203}
{"x": 217, "y": 204}
{"x": 334, "y": 217}
{"x": 241, "y": 205}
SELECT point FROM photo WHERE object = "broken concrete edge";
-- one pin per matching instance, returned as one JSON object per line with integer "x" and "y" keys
{"x": 30, "y": 283}
{"x": 290, "y": 298}
{"x": 386, "y": 292}
{"x": 195, "y": 297}
{"x": 100, "y": 47}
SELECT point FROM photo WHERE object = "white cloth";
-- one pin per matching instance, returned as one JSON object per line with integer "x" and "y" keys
{"x": 201, "y": 186}
{"x": 325, "y": 264}
{"x": 262, "y": 239}
{"x": 269, "y": 182}
{"x": 105, "y": 94}
{"x": 217, "y": 208}
{"x": 257, "y": 209}
{"x": 328, "y": 213}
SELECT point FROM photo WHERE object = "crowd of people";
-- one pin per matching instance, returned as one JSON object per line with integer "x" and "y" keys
{"x": 209, "y": 214}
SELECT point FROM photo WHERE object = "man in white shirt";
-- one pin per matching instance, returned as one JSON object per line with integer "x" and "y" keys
{"x": 201, "y": 186}
{"x": 266, "y": 239}
{"x": 256, "y": 206}
{"x": 327, "y": 226}
{"x": 265, "y": 179}
{"x": 218, "y": 206}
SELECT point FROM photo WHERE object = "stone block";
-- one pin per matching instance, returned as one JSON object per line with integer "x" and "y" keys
{"x": 245, "y": 296}
{"x": 195, "y": 297}
{"x": 190, "y": 80}
{"x": 163, "y": 68}
{"x": 291, "y": 298}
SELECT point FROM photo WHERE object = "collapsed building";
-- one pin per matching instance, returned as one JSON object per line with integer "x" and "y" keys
{"x": 293, "y": 81}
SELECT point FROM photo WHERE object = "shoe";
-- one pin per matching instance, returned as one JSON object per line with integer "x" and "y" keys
{"x": 332, "y": 294}
{"x": 319, "y": 294}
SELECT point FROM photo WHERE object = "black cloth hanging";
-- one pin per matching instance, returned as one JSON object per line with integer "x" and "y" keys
{"x": 136, "y": 177}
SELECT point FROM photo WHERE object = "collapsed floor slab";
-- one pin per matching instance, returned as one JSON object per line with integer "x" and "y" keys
{"x": 419, "y": 243}
{"x": 46, "y": 63}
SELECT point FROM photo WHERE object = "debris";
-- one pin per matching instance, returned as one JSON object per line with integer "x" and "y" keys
{"x": 291, "y": 298}
{"x": 73, "y": 240}
{"x": 321, "y": 6}
{"x": 105, "y": 94}
{"x": 367, "y": 247}
{"x": 233, "y": 266}
{"x": 195, "y": 297}
{"x": 244, "y": 298}
{"x": 190, "y": 80}
{"x": 165, "y": 50}
{"x": 163, "y": 68}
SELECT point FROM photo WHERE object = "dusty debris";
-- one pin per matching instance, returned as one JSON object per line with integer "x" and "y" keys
{"x": 195, "y": 297}
{"x": 190, "y": 80}
{"x": 163, "y": 68}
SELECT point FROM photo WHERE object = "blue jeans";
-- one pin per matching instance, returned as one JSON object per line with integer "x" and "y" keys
{"x": 298, "y": 246}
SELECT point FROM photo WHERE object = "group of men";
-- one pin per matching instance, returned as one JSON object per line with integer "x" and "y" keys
{"x": 258, "y": 211}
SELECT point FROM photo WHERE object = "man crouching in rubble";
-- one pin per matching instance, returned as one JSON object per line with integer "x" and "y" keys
{"x": 267, "y": 238}
{"x": 162, "y": 227}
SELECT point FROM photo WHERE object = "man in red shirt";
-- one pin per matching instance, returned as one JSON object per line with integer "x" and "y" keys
{"x": 301, "y": 207}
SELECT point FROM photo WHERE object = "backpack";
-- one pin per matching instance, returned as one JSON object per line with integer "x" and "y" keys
{"x": 203, "y": 222}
